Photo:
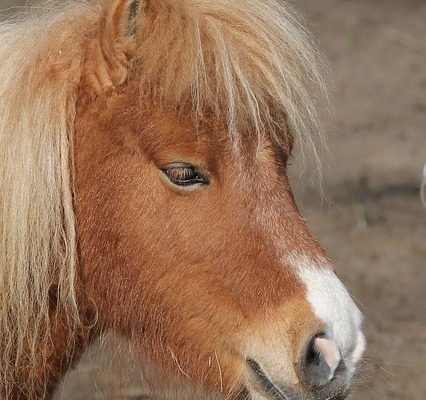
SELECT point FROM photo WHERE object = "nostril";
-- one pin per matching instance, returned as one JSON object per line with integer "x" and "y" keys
{"x": 312, "y": 356}
{"x": 321, "y": 361}
{"x": 315, "y": 370}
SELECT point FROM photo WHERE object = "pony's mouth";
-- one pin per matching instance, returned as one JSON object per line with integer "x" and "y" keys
{"x": 273, "y": 391}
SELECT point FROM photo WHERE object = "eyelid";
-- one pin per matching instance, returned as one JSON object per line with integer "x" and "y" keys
{"x": 200, "y": 178}
{"x": 179, "y": 165}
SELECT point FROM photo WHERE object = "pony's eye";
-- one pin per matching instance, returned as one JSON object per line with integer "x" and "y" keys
{"x": 183, "y": 174}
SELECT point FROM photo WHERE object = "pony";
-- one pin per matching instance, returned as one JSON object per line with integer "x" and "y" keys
{"x": 144, "y": 191}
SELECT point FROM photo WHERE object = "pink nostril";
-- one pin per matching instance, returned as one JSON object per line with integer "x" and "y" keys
{"x": 329, "y": 351}
{"x": 322, "y": 362}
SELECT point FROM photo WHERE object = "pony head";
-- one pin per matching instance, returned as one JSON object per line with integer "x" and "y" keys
{"x": 151, "y": 139}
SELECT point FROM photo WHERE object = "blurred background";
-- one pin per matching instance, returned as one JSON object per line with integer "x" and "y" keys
{"x": 370, "y": 219}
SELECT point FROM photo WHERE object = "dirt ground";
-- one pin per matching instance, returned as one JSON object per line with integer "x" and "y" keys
{"x": 371, "y": 220}
{"x": 374, "y": 226}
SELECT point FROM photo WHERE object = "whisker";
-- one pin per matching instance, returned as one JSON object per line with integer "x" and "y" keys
{"x": 177, "y": 363}
{"x": 220, "y": 372}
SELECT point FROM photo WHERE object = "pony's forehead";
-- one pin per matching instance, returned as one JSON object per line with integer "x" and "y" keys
{"x": 166, "y": 131}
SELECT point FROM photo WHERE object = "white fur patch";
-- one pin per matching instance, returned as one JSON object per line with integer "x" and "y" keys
{"x": 331, "y": 303}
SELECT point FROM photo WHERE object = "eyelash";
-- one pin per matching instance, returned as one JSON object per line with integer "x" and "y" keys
{"x": 184, "y": 174}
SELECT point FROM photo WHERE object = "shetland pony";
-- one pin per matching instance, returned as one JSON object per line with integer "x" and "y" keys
{"x": 144, "y": 148}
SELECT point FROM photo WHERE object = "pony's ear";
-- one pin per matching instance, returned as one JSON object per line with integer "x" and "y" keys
{"x": 109, "y": 55}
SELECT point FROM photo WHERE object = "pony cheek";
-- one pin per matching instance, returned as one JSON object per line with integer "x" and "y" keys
{"x": 220, "y": 367}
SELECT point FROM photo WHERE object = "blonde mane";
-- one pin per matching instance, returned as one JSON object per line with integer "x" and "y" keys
{"x": 250, "y": 63}
{"x": 39, "y": 74}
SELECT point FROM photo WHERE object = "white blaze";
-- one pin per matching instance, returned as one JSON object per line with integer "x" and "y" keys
{"x": 331, "y": 303}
